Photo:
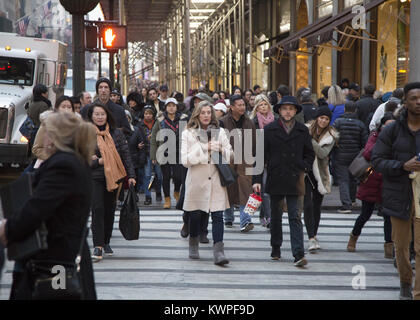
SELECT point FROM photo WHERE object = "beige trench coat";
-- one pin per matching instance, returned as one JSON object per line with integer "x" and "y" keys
{"x": 203, "y": 190}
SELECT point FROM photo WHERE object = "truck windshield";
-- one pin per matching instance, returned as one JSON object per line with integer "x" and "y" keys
{"x": 16, "y": 71}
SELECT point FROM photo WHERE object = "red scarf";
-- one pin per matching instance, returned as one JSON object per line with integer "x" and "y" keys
{"x": 149, "y": 124}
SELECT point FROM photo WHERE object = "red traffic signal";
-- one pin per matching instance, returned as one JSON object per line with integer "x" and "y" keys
{"x": 114, "y": 37}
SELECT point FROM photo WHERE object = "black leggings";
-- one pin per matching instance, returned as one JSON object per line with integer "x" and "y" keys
{"x": 169, "y": 171}
{"x": 312, "y": 206}
{"x": 365, "y": 214}
{"x": 103, "y": 213}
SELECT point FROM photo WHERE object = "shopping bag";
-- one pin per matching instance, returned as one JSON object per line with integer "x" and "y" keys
{"x": 130, "y": 216}
{"x": 254, "y": 202}
{"x": 415, "y": 182}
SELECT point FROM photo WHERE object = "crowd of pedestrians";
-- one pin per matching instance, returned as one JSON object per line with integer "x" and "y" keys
{"x": 155, "y": 137}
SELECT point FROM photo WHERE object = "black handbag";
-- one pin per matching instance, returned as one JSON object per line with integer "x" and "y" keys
{"x": 14, "y": 197}
{"x": 49, "y": 285}
{"x": 227, "y": 175}
{"x": 129, "y": 224}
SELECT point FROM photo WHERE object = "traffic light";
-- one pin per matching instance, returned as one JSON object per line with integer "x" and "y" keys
{"x": 114, "y": 37}
{"x": 91, "y": 33}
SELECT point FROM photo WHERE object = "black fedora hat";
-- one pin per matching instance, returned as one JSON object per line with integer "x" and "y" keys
{"x": 288, "y": 100}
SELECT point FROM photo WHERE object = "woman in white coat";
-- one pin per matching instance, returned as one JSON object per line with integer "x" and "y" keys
{"x": 317, "y": 180}
{"x": 203, "y": 190}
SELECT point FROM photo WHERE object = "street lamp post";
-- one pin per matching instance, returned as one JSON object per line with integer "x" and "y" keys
{"x": 78, "y": 8}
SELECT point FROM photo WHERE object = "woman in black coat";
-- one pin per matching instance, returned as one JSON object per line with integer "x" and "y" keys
{"x": 61, "y": 199}
{"x": 111, "y": 164}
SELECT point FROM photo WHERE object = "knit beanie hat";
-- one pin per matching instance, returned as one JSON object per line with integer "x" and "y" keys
{"x": 324, "y": 110}
{"x": 100, "y": 80}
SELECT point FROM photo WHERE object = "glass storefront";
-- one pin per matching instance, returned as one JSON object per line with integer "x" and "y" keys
{"x": 393, "y": 45}
{"x": 324, "y": 69}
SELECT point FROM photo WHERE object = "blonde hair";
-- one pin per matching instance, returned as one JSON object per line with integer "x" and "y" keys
{"x": 258, "y": 99}
{"x": 336, "y": 96}
{"x": 70, "y": 133}
{"x": 194, "y": 122}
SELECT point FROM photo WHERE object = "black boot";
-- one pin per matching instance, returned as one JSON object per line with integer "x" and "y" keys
{"x": 204, "y": 222}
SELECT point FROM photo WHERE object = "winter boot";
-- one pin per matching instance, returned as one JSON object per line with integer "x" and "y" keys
{"x": 193, "y": 242}
{"x": 167, "y": 204}
{"x": 351, "y": 246}
{"x": 204, "y": 221}
{"x": 176, "y": 196}
{"x": 389, "y": 250}
{"x": 405, "y": 291}
{"x": 219, "y": 254}
{"x": 185, "y": 230}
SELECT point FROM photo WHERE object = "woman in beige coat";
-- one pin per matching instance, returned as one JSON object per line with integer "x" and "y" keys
{"x": 203, "y": 190}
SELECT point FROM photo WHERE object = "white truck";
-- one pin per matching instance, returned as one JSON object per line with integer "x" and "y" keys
{"x": 25, "y": 62}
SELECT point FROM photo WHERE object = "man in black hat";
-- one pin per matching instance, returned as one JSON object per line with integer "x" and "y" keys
{"x": 103, "y": 89}
{"x": 288, "y": 153}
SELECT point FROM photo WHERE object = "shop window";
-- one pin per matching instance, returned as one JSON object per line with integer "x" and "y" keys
{"x": 323, "y": 8}
{"x": 350, "y": 3}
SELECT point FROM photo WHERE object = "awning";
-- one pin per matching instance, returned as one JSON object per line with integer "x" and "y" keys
{"x": 319, "y": 32}
{"x": 325, "y": 34}
{"x": 291, "y": 43}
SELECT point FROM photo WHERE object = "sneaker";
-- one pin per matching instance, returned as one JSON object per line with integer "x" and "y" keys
{"x": 108, "y": 251}
{"x": 97, "y": 254}
{"x": 318, "y": 247}
{"x": 275, "y": 253}
{"x": 148, "y": 201}
{"x": 344, "y": 209}
{"x": 248, "y": 227}
{"x": 312, "y": 246}
{"x": 300, "y": 262}
{"x": 158, "y": 197}
{"x": 228, "y": 224}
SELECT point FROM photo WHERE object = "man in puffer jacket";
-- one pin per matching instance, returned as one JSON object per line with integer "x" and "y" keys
{"x": 353, "y": 137}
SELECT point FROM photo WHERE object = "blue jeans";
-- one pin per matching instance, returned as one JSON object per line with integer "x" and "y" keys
{"x": 216, "y": 222}
{"x": 295, "y": 224}
{"x": 244, "y": 217}
{"x": 346, "y": 183}
{"x": 148, "y": 167}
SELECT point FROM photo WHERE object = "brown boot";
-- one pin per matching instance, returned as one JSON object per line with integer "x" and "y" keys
{"x": 351, "y": 246}
{"x": 176, "y": 196}
{"x": 167, "y": 204}
{"x": 389, "y": 250}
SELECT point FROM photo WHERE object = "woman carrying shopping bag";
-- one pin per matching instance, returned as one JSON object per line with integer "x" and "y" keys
{"x": 111, "y": 163}
{"x": 203, "y": 190}
{"x": 262, "y": 115}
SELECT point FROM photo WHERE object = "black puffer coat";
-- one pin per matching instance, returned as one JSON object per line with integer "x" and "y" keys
{"x": 287, "y": 156}
{"x": 353, "y": 137}
{"x": 366, "y": 107}
{"x": 122, "y": 147}
{"x": 396, "y": 145}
